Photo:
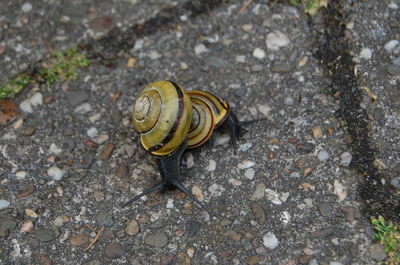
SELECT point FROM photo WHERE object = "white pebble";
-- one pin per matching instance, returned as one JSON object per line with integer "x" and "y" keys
{"x": 259, "y": 53}
{"x": 54, "y": 149}
{"x": 170, "y": 204}
{"x": 60, "y": 220}
{"x": 200, "y": 48}
{"x": 270, "y": 241}
{"x": 102, "y": 138}
{"x": 276, "y": 39}
{"x": 264, "y": 109}
{"x": 4, "y": 204}
{"x": 391, "y": 45}
{"x": 323, "y": 155}
{"x": 83, "y": 108}
{"x": 92, "y": 132}
{"x": 393, "y": 5}
{"x": 245, "y": 146}
{"x": 212, "y": 165}
{"x": 20, "y": 174}
{"x": 247, "y": 27}
{"x": 245, "y": 164}
{"x": 366, "y": 53}
{"x": 240, "y": 58}
{"x": 216, "y": 190}
{"x": 274, "y": 196}
{"x": 154, "y": 55}
{"x": 340, "y": 190}
{"x": 95, "y": 117}
{"x": 26, "y": 8}
{"x": 285, "y": 217}
{"x": 249, "y": 173}
{"x": 335, "y": 263}
{"x": 26, "y": 106}
{"x": 221, "y": 139}
{"x": 56, "y": 173}
{"x": 345, "y": 158}
{"x": 288, "y": 101}
{"x": 235, "y": 182}
{"x": 37, "y": 99}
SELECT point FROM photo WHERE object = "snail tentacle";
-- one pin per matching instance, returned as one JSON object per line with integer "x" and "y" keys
{"x": 156, "y": 187}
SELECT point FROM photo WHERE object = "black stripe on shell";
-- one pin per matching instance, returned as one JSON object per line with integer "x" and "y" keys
{"x": 171, "y": 133}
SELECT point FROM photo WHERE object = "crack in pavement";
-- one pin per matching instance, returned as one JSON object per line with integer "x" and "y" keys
{"x": 334, "y": 52}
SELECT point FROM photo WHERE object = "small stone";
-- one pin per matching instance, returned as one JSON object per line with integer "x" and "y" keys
{"x": 92, "y": 132}
{"x": 252, "y": 260}
{"x": 156, "y": 239}
{"x": 215, "y": 61}
{"x": 196, "y": 190}
{"x": 264, "y": 109}
{"x": 249, "y": 173}
{"x": 54, "y": 149}
{"x": 221, "y": 139}
{"x": 258, "y": 213}
{"x": 276, "y": 39}
{"x": 83, "y": 108}
{"x": 366, "y": 53}
{"x": 259, "y": 53}
{"x": 167, "y": 260}
{"x": 132, "y": 228}
{"x": 325, "y": 208}
{"x": 44, "y": 235}
{"x": 26, "y": 192}
{"x": 4, "y": 204}
{"x": 31, "y": 213}
{"x": 351, "y": 213}
{"x": 29, "y": 131}
{"x": 190, "y": 252}
{"x": 7, "y": 224}
{"x": 393, "y": 69}
{"x": 61, "y": 220}
{"x": 27, "y": 226}
{"x": 211, "y": 165}
{"x": 101, "y": 23}
{"x": 104, "y": 219}
{"x": 200, "y": 48}
{"x": 184, "y": 66}
{"x": 122, "y": 171}
{"x": 153, "y": 55}
{"x": 26, "y": 7}
{"x": 240, "y": 58}
{"x": 256, "y": 68}
{"x": 36, "y": 99}
{"x": 377, "y": 252}
{"x": 113, "y": 250}
{"x": 2, "y": 49}
{"x": 258, "y": 192}
{"x": 99, "y": 195}
{"x": 102, "y": 138}
{"x": 192, "y": 227}
{"x": 245, "y": 164}
{"x": 317, "y": 132}
{"x": 345, "y": 159}
{"x": 216, "y": 190}
{"x": 26, "y": 106}
{"x": 106, "y": 151}
{"x": 323, "y": 155}
{"x": 270, "y": 241}
{"x": 233, "y": 235}
{"x": 393, "y": 5}
{"x": 335, "y": 263}
{"x": 340, "y": 190}
{"x": 395, "y": 182}
{"x": 288, "y": 101}
{"x": 56, "y": 173}
{"x": 281, "y": 68}
{"x": 305, "y": 148}
{"x": 79, "y": 240}
{"x": 389, "y": 46}
{"x": 247, "y": 27}
{"x": 77, "y": 97}
{"x": 189, "y": 160}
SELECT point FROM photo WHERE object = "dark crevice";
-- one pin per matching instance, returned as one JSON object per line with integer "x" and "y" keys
{"x": 334, "y": 52}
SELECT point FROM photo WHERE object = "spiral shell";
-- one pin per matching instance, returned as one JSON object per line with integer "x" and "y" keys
{"x": 209, "y": 112}
{"x": 162, "y": 115}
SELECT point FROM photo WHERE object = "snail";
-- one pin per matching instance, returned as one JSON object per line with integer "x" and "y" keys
{"x": 170, "y": 119}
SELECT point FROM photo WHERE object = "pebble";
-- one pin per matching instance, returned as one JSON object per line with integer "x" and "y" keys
{"x": 113, "y": 250}
{"x": 240, "y": 58}
{"x": 258, "y": 213}
{"x": 26, "y": 192}
{"x": 389, "y": 46}
{"x": 212, "y": 165}
{"x": 245, "y": 146}
{"x": 366, "y": 53}
{"x": 393, "y": 69}
{"x": 28, "y": 104}
{"x": 4, "y": 204}
{"x": 247, "y": 27}
{"x": 325, "y": 208}
{"x": 101, "y": 23}
{"x": 153, "y": 55}
{"x": 106, "y": 151}
{"x": 305, "y": 148}
{"x": 323, "y": 155}
{"x": 92, "y": 132}
{"x": 54, "y": 149}
{"x": 56, "y": 173}
{"x": 200, "y": 48}
{"x": 340, "y": 190}
{"x": 99, "y": 195}
{"x": 61, "y": 220}
{"x": 167, "y": 260}
{"x": 256, "y": 68}
{"x": 156, "y": 239}
{"x": 249, "y": 173}
{"x": 270, "y": 241}
{"x": 170, "y": 204}
{"x": 132, "y": 228}
{"x": 215, "y": 61}
{"x": 395, "y": 182}
{"x": 74, "y": 98}
{"x": 104, "y": 219}
{"x": 95, "y": 117}
{"x": 377, "y": 252}
{"x": 275, "y": 197}
{"x": 29, "y": 131}
{"x": 31, "y": 213}
{"x": 288, "y": 101}
{"x": 277, "y": 39}
{"x": 192, "y": 228}
{"x": 196, "y": 190}
{"x": 245, "y": 164}
{"x": 335, "y": 263}
{"x": 7, "y": 224}
{"x": 216, "y": 190}
{"x": 317, "y": 132}
{"x": 83, "y": 108}
{"x": 264, "y": 109}
{"x": 259, "y": 53}
{"x": 231, "y": 234}
{"x": 281, "y": 68}
{"x": 27, "y": 226}
{"x": 44, "y": 235}
{"x": 393, "y": 5}
{"x": 351, "y": 213}
{"x": 345, "y": 159}
{"x": 26, "y": 7}
{"x": 221, "y": 138}
{"x": 79, "y": 240}
{"x": 258, "y": 192}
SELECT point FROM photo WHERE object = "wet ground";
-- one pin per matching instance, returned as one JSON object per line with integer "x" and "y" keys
{"x": 301, "y": 189}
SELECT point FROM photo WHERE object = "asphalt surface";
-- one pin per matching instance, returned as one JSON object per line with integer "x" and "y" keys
{"x": 301, "y": 189}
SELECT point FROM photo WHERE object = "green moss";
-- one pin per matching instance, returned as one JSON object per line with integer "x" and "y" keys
{"x": 388, "y": 234}
{"x": 310, "y": 6}
{"x": 61, "y": 66}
